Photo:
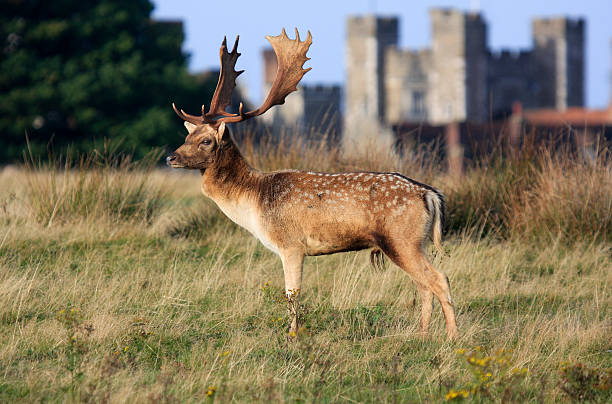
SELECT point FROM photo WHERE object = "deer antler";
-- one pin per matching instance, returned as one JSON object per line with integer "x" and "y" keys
{"x": 227, "y": 81}
{"x": 291, "y": 56}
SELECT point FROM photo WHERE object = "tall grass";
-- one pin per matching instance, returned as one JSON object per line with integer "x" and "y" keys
{"x": 101, "y": 185}
{"x": 541, "y": 193}
{"x": 568, "y": 198}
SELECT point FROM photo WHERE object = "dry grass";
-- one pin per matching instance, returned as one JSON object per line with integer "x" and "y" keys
{"x": 137, "y": 307}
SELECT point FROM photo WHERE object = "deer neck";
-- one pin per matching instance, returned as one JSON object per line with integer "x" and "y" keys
{"x": 231, "y": 180}
{"x": 234, "y": 186}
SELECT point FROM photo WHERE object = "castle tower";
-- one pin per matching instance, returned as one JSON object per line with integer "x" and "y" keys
{"x": 367, "y": 38}
{"x": 459, "y": 67}
{"x": 558, "y": 54}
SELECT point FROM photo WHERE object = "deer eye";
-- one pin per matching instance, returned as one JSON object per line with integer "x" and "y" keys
{"x": 205, "y": 142}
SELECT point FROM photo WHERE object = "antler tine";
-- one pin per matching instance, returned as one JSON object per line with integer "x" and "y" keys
{"x": 192, "y": 117}
{"x": 226, "y": 84}
{"x": 235, "y": 48}
{"x": 291, "y": 56}
{"x": 196, "y": 120}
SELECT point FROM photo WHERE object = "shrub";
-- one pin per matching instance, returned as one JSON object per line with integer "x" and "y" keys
{"x": 584, "y": 384}
{"x": 494, "y": 378}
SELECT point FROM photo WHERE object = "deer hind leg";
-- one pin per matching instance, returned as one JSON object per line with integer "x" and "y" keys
{"x": 440, "y": 286}
{"x": 426, "y": 307}
{"x": 429, "y": 280}
{"x": 292, "y": 266}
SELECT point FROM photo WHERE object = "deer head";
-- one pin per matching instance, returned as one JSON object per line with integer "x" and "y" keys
{"x": 208, "y": 135}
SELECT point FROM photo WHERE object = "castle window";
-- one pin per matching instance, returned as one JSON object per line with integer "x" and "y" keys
{"x": 418, "y": 102}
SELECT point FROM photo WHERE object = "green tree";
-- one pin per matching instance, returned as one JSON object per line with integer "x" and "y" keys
{"x": 74, "y": 72}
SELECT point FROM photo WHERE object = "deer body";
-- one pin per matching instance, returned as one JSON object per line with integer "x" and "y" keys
{"x": 296, "y": 213}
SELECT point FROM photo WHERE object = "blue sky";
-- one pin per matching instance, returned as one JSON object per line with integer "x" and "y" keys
{"x": 509, "y": 24}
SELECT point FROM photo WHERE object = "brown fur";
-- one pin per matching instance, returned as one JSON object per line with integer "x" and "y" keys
{"x": 297, "y": 213}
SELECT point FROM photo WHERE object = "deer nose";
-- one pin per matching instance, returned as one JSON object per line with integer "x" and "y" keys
{"x": 170, "y": 159}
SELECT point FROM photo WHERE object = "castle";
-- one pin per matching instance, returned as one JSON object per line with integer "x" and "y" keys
{"x": 458, "y": 78}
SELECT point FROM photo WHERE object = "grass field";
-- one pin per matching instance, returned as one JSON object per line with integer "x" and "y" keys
{"x": 119, "y": 282}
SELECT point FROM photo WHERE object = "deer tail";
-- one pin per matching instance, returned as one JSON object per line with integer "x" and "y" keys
{"x": 377, "y": 260}
{"x": 436, "y": 205}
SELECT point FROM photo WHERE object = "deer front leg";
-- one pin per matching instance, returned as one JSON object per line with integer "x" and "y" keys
{"x": 292, "y": 266}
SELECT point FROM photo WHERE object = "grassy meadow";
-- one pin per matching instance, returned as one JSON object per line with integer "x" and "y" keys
{"x": 120, "y": 282}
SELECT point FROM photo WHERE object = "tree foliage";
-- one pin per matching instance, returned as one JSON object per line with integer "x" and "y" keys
{"x": 75, "y": 72}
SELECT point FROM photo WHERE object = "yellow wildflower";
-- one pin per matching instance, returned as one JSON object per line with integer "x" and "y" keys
{"x": 451, "y": 395}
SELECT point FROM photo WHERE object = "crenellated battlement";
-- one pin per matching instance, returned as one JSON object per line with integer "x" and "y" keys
{"x": 459, "y": 77}
{"x": 505, "y": 55}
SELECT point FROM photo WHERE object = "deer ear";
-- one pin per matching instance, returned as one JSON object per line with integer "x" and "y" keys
{"x": 220, "y": 131}
{"x": 190, "y": 127}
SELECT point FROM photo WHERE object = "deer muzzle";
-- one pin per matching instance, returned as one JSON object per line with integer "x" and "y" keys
{"x": 172, "y": 161}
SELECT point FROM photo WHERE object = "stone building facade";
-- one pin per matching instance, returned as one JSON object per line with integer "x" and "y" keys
{"x": 459, "y": 78}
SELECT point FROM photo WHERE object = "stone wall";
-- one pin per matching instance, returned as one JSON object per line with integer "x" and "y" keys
{"x": 322, "y": 115}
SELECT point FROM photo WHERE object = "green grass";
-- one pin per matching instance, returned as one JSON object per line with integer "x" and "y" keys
{"x": 179, "y": 304}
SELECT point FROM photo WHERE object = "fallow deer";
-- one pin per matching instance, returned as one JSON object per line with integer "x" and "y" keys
{"x": 297, "y": 214}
